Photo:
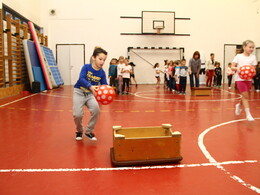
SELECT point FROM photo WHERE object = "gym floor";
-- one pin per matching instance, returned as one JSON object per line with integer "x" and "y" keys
{"x": 39, "y": 153}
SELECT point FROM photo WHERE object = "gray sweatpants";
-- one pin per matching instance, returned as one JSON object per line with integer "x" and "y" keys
{"x": 79, "y": 101}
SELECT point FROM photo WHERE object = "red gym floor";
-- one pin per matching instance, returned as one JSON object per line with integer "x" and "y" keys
{"x": 39, "y": 153}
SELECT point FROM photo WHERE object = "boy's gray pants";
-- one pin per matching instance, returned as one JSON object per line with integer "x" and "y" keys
{"x": 79, "y": 101}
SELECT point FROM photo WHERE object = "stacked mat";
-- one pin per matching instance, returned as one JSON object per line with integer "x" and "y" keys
{"x": 41, "y": 63}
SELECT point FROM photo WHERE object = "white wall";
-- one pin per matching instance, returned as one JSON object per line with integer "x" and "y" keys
{"x": 213, "y": 23}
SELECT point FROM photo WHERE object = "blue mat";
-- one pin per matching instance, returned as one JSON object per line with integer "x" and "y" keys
{"x": 52, "y": 65}
{"x": 33, "y": 64}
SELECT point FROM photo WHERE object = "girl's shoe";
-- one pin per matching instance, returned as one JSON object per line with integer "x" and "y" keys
{"x": 238, "y": 109}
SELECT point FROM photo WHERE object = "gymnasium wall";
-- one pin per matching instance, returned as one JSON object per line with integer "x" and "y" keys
{"x": 98, "y": 23}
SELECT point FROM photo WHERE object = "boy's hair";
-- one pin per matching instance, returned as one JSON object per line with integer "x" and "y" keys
{"x": 212, "y": 54}
{"x": 217, "y": 63}
{"x": 113, "y": 59}
{"x": 183, "y": 60}
{"x": 229, "y": 63}
{"x": 121, "y": 57}
{"x": 99, "y": 51}
{"x": 176, "y": 62}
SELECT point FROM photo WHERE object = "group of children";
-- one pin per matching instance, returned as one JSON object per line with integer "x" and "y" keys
{"x": 120, "y": 73}
{"x": 175, "y": 75}
{"x": 176, "y": 72}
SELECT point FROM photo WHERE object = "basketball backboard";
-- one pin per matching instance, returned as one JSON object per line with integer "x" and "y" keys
{"x": 154, "y": 20}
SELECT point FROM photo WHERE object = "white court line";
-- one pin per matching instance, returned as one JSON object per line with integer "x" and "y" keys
{"x": 18, "y": 100}
{"x": 212, "y": 160}
{"x": 126, "y": 168}
{"x": 188, "y": 100}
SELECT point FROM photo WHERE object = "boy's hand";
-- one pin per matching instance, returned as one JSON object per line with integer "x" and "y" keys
{"x": 93, "y": 89}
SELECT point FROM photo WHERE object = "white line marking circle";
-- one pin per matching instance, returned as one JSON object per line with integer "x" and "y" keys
{"x": 212, "y": 160}
{"x": 139, "y": 94}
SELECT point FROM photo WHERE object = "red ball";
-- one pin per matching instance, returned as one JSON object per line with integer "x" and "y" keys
{"x": 105, "y": 94}
{"x": 246, "y": 72}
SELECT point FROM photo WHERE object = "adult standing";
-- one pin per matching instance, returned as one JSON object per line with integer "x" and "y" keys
{"x": 195, "y": 65}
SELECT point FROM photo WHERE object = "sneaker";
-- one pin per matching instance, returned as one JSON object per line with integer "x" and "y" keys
{"x": 78, "y": 136}
{"x": 249, "y": 117}
{"x": 238, "y": 109}
{"x": 91, "y": 136}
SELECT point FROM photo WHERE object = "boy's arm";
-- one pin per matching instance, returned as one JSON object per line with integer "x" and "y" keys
{"x": 103, "y": 80}
{"x": 82, "y": 78}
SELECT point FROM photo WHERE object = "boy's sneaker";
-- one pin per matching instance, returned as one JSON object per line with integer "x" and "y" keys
{"x": 238, "y": 109}
{"x": 78, "y": 136}
{"x": 91, "y": 136}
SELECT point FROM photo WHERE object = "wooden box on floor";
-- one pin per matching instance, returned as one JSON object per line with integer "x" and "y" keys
{"x": 145, "y": 145}
{"x": 201, "y": 91}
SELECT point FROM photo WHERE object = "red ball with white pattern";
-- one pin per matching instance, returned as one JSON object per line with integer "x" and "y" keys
{"x": 246, "y": 72}
{"x": 105, "y": 94}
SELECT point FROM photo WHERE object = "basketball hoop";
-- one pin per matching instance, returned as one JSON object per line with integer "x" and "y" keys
{"x": 158, "y": 29}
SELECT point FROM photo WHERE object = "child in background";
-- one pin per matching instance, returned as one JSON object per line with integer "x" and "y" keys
{"x": 166, "y": 78}
{"x": 112, "y": 72}
{"x": 245, "y": 58}
{"x": 257, "y": 78}
{"x": 183, "y": 73}
{"x": 230, "y": 74}
{"x": 126, "y": 72}
{"x": 133, "y": 73}
{"x": 90, "y": 77}
{"x": 119, "y": 73}
{"x": 157, "y": 74}
{"x": 171, "y": 74}
{"x": 177, "y": 70}
{"x": 218, "y": 73}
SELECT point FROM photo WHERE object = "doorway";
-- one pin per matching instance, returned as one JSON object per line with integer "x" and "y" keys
{"x": 70, "y": 58}
{"x": 230, "y": 51}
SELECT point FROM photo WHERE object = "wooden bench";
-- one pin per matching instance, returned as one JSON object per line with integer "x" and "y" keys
{"x": 145, "y": 145}
{"x": 201, "y": 91}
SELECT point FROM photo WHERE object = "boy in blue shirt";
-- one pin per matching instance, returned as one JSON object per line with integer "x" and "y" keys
{"x": 91, "y": 76}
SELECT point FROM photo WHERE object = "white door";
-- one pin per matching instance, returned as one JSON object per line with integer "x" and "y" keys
{"x": 70, "y": 58}
{"x": 257, "y": 53}
{"x": 229, "y": 54}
